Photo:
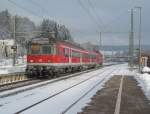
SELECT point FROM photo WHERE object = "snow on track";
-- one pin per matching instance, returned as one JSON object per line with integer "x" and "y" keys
{"x": 72, "y": 95}
{"x": 22, "y": 89}
{"x": 17, "y": 102}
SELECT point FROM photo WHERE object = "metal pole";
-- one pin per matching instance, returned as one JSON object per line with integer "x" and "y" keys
{"x": 140, "y": 31}
{"x": 14, "y": 36}
{"x": 100, "y": 41}
{"x": 131, "y": 42}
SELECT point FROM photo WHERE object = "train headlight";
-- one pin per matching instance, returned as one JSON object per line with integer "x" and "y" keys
{"x": 31, "y": 61}
{"x": 49, "y": 61}
{"x": 40, "y": 60}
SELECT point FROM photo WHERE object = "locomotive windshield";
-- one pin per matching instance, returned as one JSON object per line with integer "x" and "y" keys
{"x": 35, "y": 49}
{"x": 41, "y": 49}
{"x": 46, "y": 49}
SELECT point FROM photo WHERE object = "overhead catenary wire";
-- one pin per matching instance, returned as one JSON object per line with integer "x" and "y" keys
{"x": 24, "y": 8}
{"x": 97, "y": 16}
{"x": 44, "y": 10}
{"x": 81, "y": 4}
{"x": 116, "y": 19}
{"x": 105, "y": 26}
{"x": 29, "y": 11}
{"x": 97, "y": 19}
{"x": 90, "y": 15}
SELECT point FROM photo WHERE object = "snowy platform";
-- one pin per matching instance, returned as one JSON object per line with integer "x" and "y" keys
{"x": 6, "y": 66}
{"x": 132, "y": 100}
{"x": 58, "y": 97}
{"x": 12, "y": 69}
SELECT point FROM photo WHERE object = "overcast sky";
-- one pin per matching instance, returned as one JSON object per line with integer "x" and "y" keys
{"x": 85, "y": 18}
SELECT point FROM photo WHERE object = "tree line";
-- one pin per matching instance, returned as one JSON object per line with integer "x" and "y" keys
{"x": 25, "y": 29}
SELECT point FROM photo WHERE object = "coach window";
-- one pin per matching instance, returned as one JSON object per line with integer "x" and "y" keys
{"x": 73, "y": 53}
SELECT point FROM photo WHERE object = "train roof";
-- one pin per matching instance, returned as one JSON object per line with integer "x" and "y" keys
{"x": 41, "y": 40}
{"x": 54, "y": 40}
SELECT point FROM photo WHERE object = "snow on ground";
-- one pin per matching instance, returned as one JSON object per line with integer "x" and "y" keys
{"x": 59, "y": 103}
{"x": 110, "y": 63}
{"x": 3, "y": 71}
{"x": 32, "y": 96}
{"x": 7, "y": 67}
{"x": 12, "y": 69}
{"x": 144, "y": 82}
{"x": 146, "y": 69}
{"x": 125, "y": 71}
{"x": 143, "y": 79}
{"x": 56, "y": 105}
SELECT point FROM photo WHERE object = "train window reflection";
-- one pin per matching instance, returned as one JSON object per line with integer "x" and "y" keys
{"x": 35, "y": 49}
{"x": 46, "y": 49}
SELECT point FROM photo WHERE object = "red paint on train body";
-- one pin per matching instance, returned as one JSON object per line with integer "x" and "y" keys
{"x": 59, "y": 55}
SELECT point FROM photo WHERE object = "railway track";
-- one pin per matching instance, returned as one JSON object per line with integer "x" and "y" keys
{"x": 14, "y": 85}
{"x": 69, "y": 88}
{"x": 19, "y": 84}
{"x": 86, "y": 93}
{"x": 37, "y": 83}
{"x": 12, "y": 78}
{"x": 28, "y": 82}
{"x": 25, "y": 82}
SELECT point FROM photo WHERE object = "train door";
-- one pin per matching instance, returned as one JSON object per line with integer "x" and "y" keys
{"x": 66, "y": 54}
{"x": 80, "y": 57}
{"x": 70, "y": 55}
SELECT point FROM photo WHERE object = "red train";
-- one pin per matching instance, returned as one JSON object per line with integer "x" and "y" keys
{"x": 47, "y": 57}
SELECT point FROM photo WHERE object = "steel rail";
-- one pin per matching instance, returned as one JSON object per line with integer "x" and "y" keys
{"x": 64, "y": 90}
{"x": 51, "y": 81}
{"x": 46, "y": 83}
{"x": 79, "y": 99}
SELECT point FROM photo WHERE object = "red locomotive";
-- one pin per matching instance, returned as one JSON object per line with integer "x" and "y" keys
{"x": 47, "y": 57}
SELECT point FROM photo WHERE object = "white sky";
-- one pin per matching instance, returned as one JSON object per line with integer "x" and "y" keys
{"x": 112, "y": 15}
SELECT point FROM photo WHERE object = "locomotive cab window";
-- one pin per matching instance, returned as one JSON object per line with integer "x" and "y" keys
{"x": 47, "y": 49}
{"x": 35, "y": 49}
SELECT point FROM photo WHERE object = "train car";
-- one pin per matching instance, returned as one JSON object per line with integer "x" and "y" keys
{"x": 47, "y": 57}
